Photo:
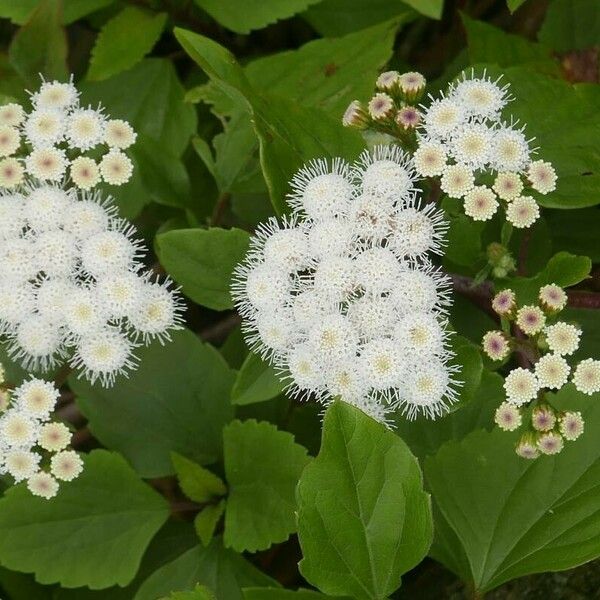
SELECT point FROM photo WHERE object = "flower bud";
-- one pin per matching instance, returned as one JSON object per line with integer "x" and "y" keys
{"x": 388, "y": 81}
{"x": 527, "y": 446}
{"x": 408, "y": 117}
{"x": 504, "y": 303}
{"x": 552, "y": 298}
{"x": 356, "y": 116}
{"x": 412, "y": 85}
{"x": 381, "y": 107}
{"x": 543, "y": 417}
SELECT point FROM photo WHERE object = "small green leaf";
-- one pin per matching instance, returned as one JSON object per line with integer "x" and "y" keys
{"x": 196, "y": 482}
{"x": 116, "y": 49}
{"x": 363, "y": 517}
{"x": 256, "y": 382}
{"x": 262, "y": 468}
{"x": 507, "y": 516}
{"x": 242, "y": 16}
{"x": 202, "y": 261}
{"x": 40, "y": 46}
{"x": 177, "y": 400}
{"x": 514, "y": 4}
{"x": 103, "y": 522}
{"x": 206, "y": 521}
{"x": 223, "y": 571}
{"x": 429, "y": 8}
{"x": 200, "y": 592}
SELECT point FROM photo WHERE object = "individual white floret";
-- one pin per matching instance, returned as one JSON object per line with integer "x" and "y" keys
{"x": 443, "y": 117}
{"x": 11, "y": 114}
{"x": 284, "y": 245}
{"x": 85, "y": 128}
{"x": 523, "y": 212}
{"x": 36, "y": 398}
{"x": 587, "y": 376}
{"x": 508, "y": 417}
{"x": 417, "y": 230}
{"x": 386, "y": 171}
{"x": 377, "y": 270}
{"x": 56, "y": 253}
{"x": 372, "y": 316}
{"x": 18, "y": 430}
{"x": 552, "y": 371}
{"x": 46, "y": 164}
{"x": 44, "y": 127}
{"x": 346, "y": 380}
{"x": 275, "y": 334}
{"x": 457, "y": 180}
{"x": 119, "y": 293}
{"x": 508, "y": 186}
{"x": 542, "y": 176}
{"x": 157, "y": 313}
{"x": 430, "y": 158}
{"x": 423, "y": 289}
{"x": 21, "y": 464}
{"x": 471, "y": 145}
{"x": 521, "y": 386}
{"x": 103, "y": 355}
{"x": 54, "y": 437}
{"x": 336, "y": 279}
{"x": 85, "y": 173}
{"x": 37, "y": 343}
{"x": 510, "y": 150}
{"x": 333, "y": 339}
{"x": 480, "y": 97}
{"x": 332, "y": 237}
{"x": 83, "y": 313}
{"x": 259, "y": 287}
{"x": 88, "y": 216}
{"x": 56, "y": 95}
{"x": 370, "y": 217}
{"x": 383, "y": 363}
{"x": 116, "y": 167}
{"x": 302, "y": 372}
{"x": 43, "y": 485}
{"x": 12, "y": 172}
{"x": 481, "y": 203}
{"x": 119, "y": 134}
{"x": 562, "y": 338}
{"x": 10, "y": 140}
{"x": 321, "y": 190}
{"x": 66, "y": 465}
{"x": 45, "y": 206}
{"x": 420, "y": 336}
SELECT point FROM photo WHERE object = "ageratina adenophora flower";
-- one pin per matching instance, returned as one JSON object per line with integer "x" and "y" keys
{"x": 29, "y": 439}
{"x": 48, "y": 143}
{"x": 341, "y": 296}
{"x": 464, "y": 139}
{"x": 72, "y": 284}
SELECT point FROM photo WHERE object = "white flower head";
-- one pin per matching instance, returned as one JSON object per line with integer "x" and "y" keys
{"x": 66, "y": 465}
{"x": 443, "y": 117}
{"x": 495, "y": 345}
{"x": 550, "y": 443}
{"x": 508, "y": 417}
{"x": 18, "y": 430}
{"x": 508, "y": 185}
{"x": 56, "y": 95}
{"x": 430, "y": 158}
{"x": 21, "y": 464}
{"x": 46, "y": 164}
{"x": 54, "y": 437}
{"x": 45, "y": 206}
{"x": 552, "y": 297}
{"x": 37, "y": 343}
{"x": 457, "y": 180}
{"x": 481, "y": 203}
{"x": 521, "y": 386}
{"x": 480, "y": 97}
{"x": 571, "y": 425}
{"x": 380, "y": 106}
{"x": 562, "y": 338}
{"x": 44, "y": 127}
{"x": 542, "y": 176}
{"x": 43, "y": 484}
{"x": 543, "y": 418}
{"x": 36, "y": 398}
{"x": 11, "y": 114}
{"x": 116, "y": 167}
{"x": 12, "y": 173}
{"x": 85, "y": 128}
{"x": 9, "y": 140}
{"x": 472, "y": 145}
{"x": 85, "y": 173}
{"x": 530, "y": 319}
{"x": 119, "y": 134}
{"x": 510, "y": 150}
{"x": 587, "y": 376}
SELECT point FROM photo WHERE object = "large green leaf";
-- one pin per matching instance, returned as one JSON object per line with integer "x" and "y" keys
{"x": 242, "y": 16}
{"x": 202, "y": 261}
{"x": 575, "y": 231}
{"x": 200, "y": 592}
{"x": 18, "y": 11}
{"x": 40, "y": 46}
{"x": 223, "y": 571}
{"x": 502, "y": 517}
{"x": 93, "y": 533}
{"x": 571, "y": 25}
{"x": 566, "y": 132}
{"x": 262, "y": 468}
{"x": 338, "y": 17}
{"x": 289, "y": 134}
{"x": 116, "y": 49}
{"x": 363, "y": 517}
{"x": 177, "y": 400}
{"x": 256, "y": 382}
{"x": 487, "y": 44}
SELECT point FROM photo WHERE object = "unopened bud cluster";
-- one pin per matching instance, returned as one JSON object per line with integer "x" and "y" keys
{"x": 33, "y": 447}
{"x": 535, "y": 332}
{"x": 392, "y": 109}
{"x": 60, "y": 138}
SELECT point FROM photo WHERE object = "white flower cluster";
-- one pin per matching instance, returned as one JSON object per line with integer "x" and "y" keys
{"x": 341, "y": 296}
{"x": 463, "y": 139}
{"x": 550, "y": 372}
{"x": 34, "y": 448}
{"x": 72, "y": 285}
{"x": 51, "y": 140}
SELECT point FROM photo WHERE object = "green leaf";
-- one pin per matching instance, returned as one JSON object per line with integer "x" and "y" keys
{"x": 202, "y": 261}
{"x": 19, "y": 11}
{"x": 570, "y": 25}
{"x": 510, "y": 517}
{"x": 262, "y": 468}
{"x": 200, "y": 592}
{"x": 274, "y": 594}
{"x": 196, "y": 482}
{"x": 363, "y": 517}
{"x": 223, "y": 571}
{"x": 572, "y": 149}
{"x": 464, "y": 242}
{"x": 116, "y": 49}
{"x": 103, "y": 522}
{"x": 514, "y": 4}
{"x": 206, "y": 521}
{"x": 338, "y": 17}
{"x": 575, "y": 231}
{"x": 289, "y": 134}
{"x": 470, "y": 368}
{"x": 242, "y": 16}
{"x": 429, "y": 8}
{"x": 177, "y": 400}
{"x": 563, "y": 269}
{"x": 425, "y": 436}
{"x": 488, "y": 44}
{"x": 255, "y": 382}
{"x": 40, "y": 46}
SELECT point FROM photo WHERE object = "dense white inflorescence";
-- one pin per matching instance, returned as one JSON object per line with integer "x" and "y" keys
{"x": 47, "y": 144}
{"x": 341, "y": 296}
{"x": 464, "y": 140}
{"x": 33, "y": 448}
